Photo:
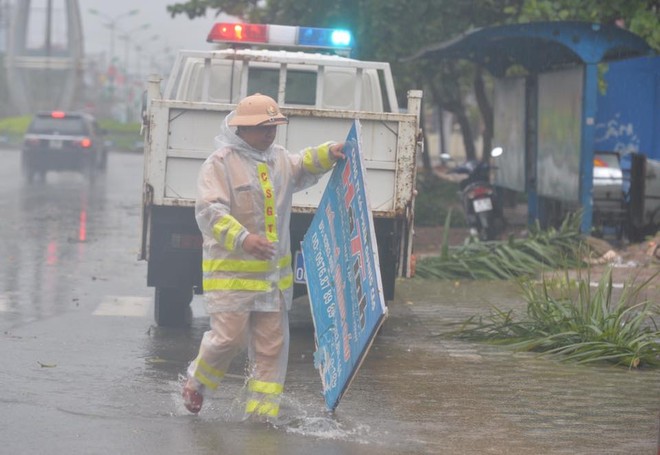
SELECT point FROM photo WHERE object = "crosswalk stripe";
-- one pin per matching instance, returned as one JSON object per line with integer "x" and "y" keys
{"x": 4, "y": 303}
{"x": 127, "y": 305}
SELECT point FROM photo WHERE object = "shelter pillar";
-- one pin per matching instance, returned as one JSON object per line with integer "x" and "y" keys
{"x": 589, "y": 106}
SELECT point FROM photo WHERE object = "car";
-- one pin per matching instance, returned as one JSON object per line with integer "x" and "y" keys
{"x": 63, "y": 141}
{"x": 608, "y": 203}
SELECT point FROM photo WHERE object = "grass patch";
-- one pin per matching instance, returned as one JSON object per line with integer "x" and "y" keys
{"x": 121, "y": 135}
{"x": 15, "y": 125}
{"x": 568, "y": 319}
{"x": 541, "y": 250}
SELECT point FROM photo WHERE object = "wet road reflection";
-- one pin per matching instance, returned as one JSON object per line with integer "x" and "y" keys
{"x": 43, "y": 239}
{"x": 86, "y": 371}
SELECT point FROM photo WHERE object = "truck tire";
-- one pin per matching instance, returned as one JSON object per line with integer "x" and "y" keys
{"x": 388, "y": 276}
{"x": 172, "y": 306}
{"x": 29, "y": 173}
{"x": 388, "y": 256}
{"x": 103, "y": 162}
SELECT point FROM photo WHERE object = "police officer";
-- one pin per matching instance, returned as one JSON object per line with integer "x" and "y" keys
{"x": 243, "y": 210}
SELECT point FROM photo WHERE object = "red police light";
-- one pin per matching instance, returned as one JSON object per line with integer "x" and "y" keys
{"x": 238, "y": 33}
{"x": 57, "y": 114}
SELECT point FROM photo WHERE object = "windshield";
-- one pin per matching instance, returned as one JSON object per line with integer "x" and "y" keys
{"x": 50, "y": 125}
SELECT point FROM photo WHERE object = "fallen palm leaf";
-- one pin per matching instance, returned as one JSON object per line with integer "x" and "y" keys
{"x": 542, "y": 250}
{"x": 570, "y": 321}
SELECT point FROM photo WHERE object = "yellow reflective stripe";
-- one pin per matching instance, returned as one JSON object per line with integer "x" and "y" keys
{"x": 270, "y": 388}
{"x": 242, "y": 265}
{"x": 262, "y": 408}
{"x": 308, "y": 161}
{"x": 209, "y": 369}
{"x": 230, "y": 228}
{"x": 285, "y": 283}
{"x": 206, "y": 381}
{"x": 269, "y": 202}
{"x": 230, "y": 238}
{"x": 234, "y": 265}
{"x": 235, "y": 284}
{"x": 284, "y": 261}
{"x": 207, "y": 375}
{"x": 323, "y": 157}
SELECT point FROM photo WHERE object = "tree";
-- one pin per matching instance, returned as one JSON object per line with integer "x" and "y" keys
{"x": 391, "y": 30}
{"x": 641, "y": 17}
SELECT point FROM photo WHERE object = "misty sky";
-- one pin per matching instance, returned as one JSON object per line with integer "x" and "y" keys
{"x": 152, "y": 27}
{"x": 176, "y": 33}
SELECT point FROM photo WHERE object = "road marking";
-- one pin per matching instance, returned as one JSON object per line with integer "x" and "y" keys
{"x": 126, "y": 305}
{"x": 4, "y": 303}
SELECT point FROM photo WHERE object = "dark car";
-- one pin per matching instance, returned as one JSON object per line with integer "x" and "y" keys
{"x": 63, "y": 141}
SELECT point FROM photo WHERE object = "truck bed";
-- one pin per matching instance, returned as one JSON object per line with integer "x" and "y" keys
{"x": 185, "y": 131}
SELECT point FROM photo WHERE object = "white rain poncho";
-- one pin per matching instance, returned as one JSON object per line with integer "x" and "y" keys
{"x": 241, "y": 191}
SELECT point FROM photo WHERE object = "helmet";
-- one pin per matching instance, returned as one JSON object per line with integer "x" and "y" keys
{"x": 256, "y": 110}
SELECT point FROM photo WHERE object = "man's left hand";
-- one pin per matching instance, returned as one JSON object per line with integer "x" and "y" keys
{"x": 337, "y": 151}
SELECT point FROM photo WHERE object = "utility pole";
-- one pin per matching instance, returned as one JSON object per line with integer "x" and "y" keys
{"x": 4, "y": 25}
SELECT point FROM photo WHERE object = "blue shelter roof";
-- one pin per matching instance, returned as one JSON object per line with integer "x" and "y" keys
{"x": 539, "y": 46}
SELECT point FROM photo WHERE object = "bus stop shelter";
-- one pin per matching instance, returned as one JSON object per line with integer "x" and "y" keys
{"x": 551, "y": 53}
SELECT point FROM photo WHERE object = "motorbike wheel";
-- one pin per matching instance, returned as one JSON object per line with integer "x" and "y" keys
{"x": 487, "y": 230}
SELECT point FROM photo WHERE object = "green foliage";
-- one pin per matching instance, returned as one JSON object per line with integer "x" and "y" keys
{"x": 15, "y": 125}
{"x": 13, "y": 129}
{"x": 435, "y": 198}
{"x": 114, "y": 126}
{"x": 393, "y": 30}
{"x": 542, "y": 250}
{"x": 569, "y": 320}
{"x": 641, "y": 17}
{"x": 122, "y": 135}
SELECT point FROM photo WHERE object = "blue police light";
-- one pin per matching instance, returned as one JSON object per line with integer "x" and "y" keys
{"x": 341, "y": 38}
{"x": 280, "y": 35}
{"x": 324, "y": 37}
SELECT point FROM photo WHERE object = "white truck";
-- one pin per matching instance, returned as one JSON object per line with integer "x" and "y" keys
{"x": 321, "y": 95}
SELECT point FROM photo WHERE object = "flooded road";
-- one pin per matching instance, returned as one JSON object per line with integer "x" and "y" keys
{"x": 86, "y": 371}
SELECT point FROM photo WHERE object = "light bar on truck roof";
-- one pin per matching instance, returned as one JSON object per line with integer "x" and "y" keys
{"x": 280, "y": 35}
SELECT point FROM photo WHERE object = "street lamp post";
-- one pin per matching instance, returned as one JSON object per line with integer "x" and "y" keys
{"x": 129, "y": 78}
{"x": 111, "y": 23}
{"x": 126, "y": 37}
{"x": 138, "y": 52}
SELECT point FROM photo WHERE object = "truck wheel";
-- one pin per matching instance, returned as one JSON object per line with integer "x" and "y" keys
{"x": 172, "y": 306}
{"x": 103, "y": 163}
{"x": 388, "y": 276}
{"x": 90, "y": 171}
{"x": 29, "y": 173}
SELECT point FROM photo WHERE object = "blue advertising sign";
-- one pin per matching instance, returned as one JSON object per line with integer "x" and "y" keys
{"x": 343, "y": 275}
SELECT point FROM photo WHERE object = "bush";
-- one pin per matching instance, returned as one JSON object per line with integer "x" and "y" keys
{"x": 542, "y": 250}
{"x": 123, "y": 136}
{"x": 435, "y": 197}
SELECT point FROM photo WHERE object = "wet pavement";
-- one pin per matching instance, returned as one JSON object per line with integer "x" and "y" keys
{"x": 506, "y": 402}
{"x": 86, "y": 371}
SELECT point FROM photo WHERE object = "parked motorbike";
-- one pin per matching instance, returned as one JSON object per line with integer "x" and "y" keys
{"x": 481, "y": 205}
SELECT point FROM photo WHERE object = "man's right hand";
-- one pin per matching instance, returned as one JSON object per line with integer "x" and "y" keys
{"x": 259, "y": 247}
